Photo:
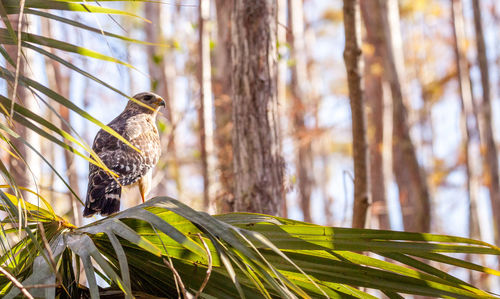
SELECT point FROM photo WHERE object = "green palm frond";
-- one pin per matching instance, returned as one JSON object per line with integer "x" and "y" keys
{"x": 251, "y": 256}
{"x": 165, "y": 248}
{"x": 13, "y": 6}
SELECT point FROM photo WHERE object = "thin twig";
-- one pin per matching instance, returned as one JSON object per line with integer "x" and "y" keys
{"x": 209, "y": 269}
{"x": 170, "y": 265}
{"x": 49, "y": 252}
{"x": 18, "y": 58}
{"x": 16, "y": 283}
{"x": 176, "y": 284}
{"x": 41, "y": 286}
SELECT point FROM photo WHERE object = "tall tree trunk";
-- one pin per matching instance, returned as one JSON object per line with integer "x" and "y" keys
{"x": 410, "y": 178}
{"x": 486, "y": 123}
{"x": 160, "y": 84}
{"x": 258, "y": 164}
{"x": 26, "y": 172}
{"x": 299, "y": 100}
{"x": 205, "y": 110}
{"x": 375, "y": 110}
{"x": 468, "y": 126}
{"x": 61, "y": 83}
{"x": 17, "y": 167}
{"x": 282, "y": 48}
{"x": 352, "y": 58}
{"x": 223, "y": 106}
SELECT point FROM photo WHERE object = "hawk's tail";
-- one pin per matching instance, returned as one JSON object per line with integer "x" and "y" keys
{"x": 105, "y": 204}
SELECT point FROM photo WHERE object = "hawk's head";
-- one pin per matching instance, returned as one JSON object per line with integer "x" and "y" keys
{"x": 148, "y": 98}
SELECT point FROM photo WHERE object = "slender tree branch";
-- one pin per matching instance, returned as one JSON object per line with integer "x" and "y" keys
{"x": 40, "y": 286}
{"x": 177, "y": 277}
{"x": 209, "y": 269}
{"x": 16, "y": 283}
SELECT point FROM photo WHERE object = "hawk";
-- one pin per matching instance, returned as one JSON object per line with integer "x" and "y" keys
{"x": 137, "y": 125}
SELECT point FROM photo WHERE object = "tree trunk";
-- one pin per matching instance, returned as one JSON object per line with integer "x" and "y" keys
{"x": 375, "y": 110}
{"x": 17, "y": 167}
{"x": 160, "y": 84}
{"x": 26, "y": 171}
{"x": 468, "y": 126}
{"x": 223, "y": 106}
{"x": 205, "y": 109}
{"x": 282, "y": 48}
{"x": 61, "y": 82}
{"x": 486, "y": 124}
{"x": 413, "y": 190}
{"x": 352, "y": 58}
{"x": 299, "y": 101}
{"x": 258, "y": 165}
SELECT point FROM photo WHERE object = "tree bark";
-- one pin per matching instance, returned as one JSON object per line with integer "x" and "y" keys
{"x": 304, "y": 163}
{"x": 205, "y": 110}
{"x": 61, "y": 83}
{"x": 410, "y": 178}
{"x": 468, "y": 125}
{"x": 352, "y": 58}
{"x": 373, "y": 72}
{"x": 26, "y": 171}
{"x": 17, "y": 167}
{"x": 282, "y": 48}
{"x": 223, "y": 106}
{"x": 486, "y": 124}
{"x": 258, "y": 165}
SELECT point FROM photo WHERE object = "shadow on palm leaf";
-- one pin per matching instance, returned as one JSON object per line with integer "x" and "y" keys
{"x": 164, "y": 248}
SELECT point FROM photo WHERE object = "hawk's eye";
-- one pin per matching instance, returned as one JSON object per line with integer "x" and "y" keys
{"x": 148, "y": 98}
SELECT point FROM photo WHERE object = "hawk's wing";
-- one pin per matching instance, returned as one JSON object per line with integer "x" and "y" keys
{"x": 104, "y": 191}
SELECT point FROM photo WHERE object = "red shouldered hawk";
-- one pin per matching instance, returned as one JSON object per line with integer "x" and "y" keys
{"x": 137, "y": 125}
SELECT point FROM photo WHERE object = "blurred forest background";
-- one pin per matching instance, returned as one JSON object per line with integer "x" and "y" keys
{"x": 431, "y": 97}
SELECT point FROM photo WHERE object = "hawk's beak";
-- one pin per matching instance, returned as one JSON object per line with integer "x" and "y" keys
{"x": 161, "y": 102}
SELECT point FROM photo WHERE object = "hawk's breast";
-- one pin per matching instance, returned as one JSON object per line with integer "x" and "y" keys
{"x": 142, "y": 133}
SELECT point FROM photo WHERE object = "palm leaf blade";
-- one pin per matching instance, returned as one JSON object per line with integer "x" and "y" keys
{"x": 269, "y": 270}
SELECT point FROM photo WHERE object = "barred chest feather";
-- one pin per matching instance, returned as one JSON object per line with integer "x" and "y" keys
{"x": 142, "y": 133}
